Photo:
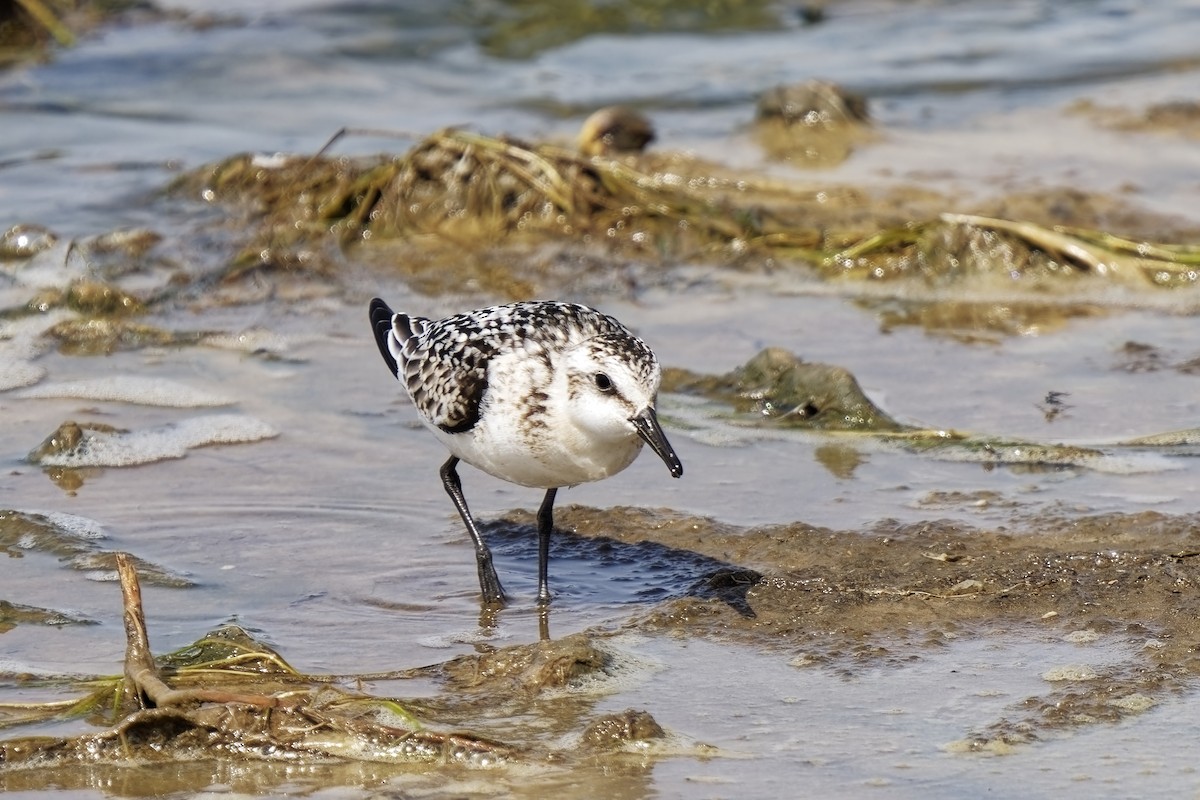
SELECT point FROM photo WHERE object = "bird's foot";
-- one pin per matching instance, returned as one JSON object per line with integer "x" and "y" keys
{"x": 489, "y": 586}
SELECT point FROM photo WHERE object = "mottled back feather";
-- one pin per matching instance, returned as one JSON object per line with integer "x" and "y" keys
{"x": 444, "y": 363}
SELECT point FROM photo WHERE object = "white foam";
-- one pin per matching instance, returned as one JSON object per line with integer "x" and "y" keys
{"x": 15, "y": 373}
{"x": 445, "y": 641}
{"x": 131, "y": 389}
{"x": 52, "y": 268}
{"x": 75, "y": 525}
{"x": 105, "y": 449}
{"x": 270, "y": 160}
{"x": 625, "y": 668}
{"x": 21, "y": 342}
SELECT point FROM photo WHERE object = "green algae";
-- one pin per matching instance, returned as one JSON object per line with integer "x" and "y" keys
{"x": 778, "y": 388}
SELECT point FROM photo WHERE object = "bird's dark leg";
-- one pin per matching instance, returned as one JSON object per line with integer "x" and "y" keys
{"x": 489, "y": 582}
{"x": 545, "y": 520}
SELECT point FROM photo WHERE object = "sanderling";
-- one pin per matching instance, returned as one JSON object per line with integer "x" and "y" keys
{"x": 540, "y": 394}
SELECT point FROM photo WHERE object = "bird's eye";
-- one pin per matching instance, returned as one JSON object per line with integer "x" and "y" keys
{"x": 603, "y": 383}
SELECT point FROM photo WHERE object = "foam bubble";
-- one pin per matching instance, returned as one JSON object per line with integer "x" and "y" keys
{"x": 131, "y": 389}
{"x": 102, "y": 448}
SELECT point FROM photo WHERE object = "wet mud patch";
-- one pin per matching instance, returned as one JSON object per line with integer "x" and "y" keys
{"x": 854, "y": 600}
{"x": 608, "y": 571}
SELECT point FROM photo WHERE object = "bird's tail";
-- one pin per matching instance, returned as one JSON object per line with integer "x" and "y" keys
{"x": 391, "y": 331}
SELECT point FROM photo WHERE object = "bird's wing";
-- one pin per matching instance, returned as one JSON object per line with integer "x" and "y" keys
{"x": 447, "y": 379}
{"x": 444, "y": 379}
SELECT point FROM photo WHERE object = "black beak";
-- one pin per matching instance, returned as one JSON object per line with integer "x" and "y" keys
{"x": 648, "y": 428}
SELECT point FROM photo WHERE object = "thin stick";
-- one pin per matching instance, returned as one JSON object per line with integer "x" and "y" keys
{"x": 141, "y": 673}
{"x": 378, "y": 132}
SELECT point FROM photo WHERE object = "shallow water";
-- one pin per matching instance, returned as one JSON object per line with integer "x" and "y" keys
{"x": 334, "y": 539}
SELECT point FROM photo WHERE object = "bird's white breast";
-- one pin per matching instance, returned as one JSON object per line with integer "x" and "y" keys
{"x": 525, "y": 434}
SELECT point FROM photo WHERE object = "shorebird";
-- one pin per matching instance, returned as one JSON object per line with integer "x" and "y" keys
{"x": 541, "y": 394}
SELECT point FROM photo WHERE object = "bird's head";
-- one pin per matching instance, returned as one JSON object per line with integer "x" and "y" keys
{"x": 612, "y": 384}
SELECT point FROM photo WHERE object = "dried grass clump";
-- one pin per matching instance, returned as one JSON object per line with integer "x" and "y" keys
{"x": 476, "y": 189}
{"x": 477, "y": 192}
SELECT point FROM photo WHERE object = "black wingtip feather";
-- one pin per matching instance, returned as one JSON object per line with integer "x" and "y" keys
{"x": 381, "y": 326}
